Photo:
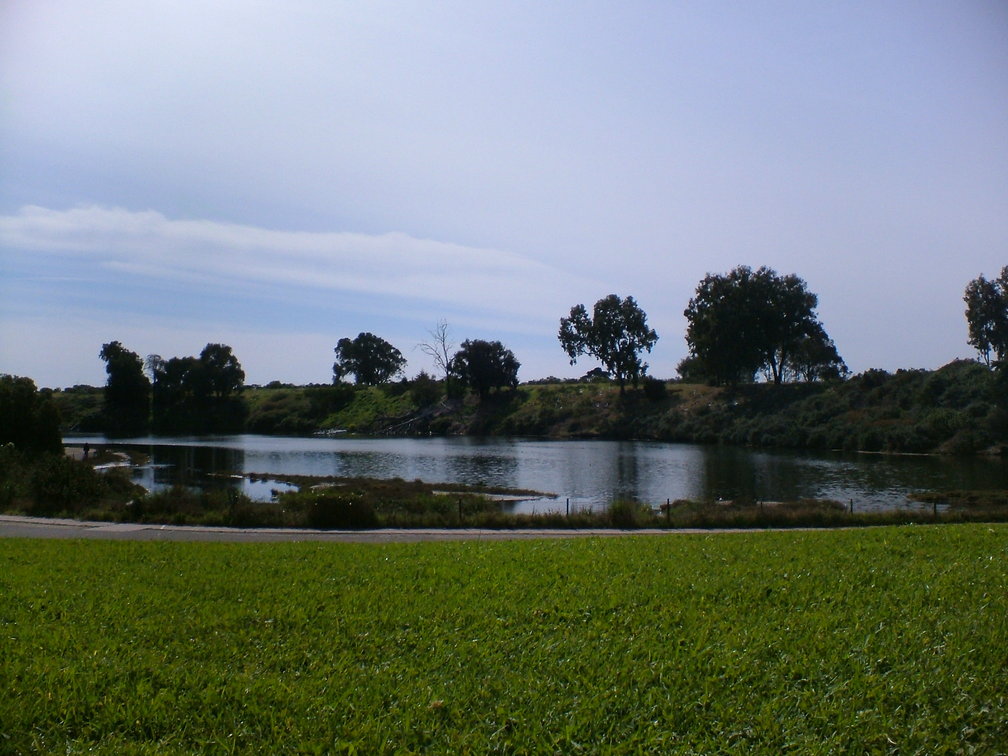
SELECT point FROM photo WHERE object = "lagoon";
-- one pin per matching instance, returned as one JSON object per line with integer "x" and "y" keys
{"x": 584, "y": 473}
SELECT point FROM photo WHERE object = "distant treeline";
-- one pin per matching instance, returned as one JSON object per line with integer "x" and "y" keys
{"x": 960, "y": 408}
{"x": 741, "y": 326}
{"x": 178, "y": 395}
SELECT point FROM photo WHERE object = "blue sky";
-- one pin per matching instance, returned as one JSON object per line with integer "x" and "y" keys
{"x": 277, "y": 176}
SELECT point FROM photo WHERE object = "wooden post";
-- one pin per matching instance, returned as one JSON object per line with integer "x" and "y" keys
{"x": 568, "y": 507}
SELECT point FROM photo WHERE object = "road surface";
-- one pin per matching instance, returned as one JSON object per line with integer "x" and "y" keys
{"x": 36, "y": 527}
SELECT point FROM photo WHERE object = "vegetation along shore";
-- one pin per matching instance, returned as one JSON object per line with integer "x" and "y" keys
{"x": 954, "y": 409}
{"x": 741, "y": 326}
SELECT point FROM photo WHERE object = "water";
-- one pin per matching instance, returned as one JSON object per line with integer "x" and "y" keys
{"x": 590, "y": 474}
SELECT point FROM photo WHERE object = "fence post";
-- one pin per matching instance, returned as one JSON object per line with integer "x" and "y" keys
{"x": 568, "y": 507}
{"x": 852, "y": 506}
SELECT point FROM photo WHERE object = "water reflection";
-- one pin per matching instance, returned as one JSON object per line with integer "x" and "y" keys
{"x": 587, "y": 473}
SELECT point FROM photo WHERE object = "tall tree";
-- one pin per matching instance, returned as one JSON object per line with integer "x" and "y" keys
{"x": 485, "y": 365}
{"x": 615, "y": 334}
{"x": 127, "y": 391}
{"x": 179, "y": 394}
{"x": 224, "y": 374}
{"x": 987, "y": 316}
{"x": 198, "y": 394}
{"x": 747, "y": 321}
{"x": 369, "y": 358}
{"x": 721, "y": 328}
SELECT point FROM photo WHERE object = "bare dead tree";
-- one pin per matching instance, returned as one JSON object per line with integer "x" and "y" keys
{"x": 439, "y": 349}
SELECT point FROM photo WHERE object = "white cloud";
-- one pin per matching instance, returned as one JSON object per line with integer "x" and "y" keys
{"x": 394, "y": 265}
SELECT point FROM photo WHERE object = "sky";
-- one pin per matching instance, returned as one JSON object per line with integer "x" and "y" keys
{"x": 278, "y": 176}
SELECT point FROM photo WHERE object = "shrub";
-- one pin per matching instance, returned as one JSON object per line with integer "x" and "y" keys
{"x": 329, "y": 510}
{"x": 425, "y": 390}
{"x": 942, "y": 423}
{"x": 628, "y": 515}
{"x": 654, "y": 389}
{"x": 28, "y": 418}
{"x": 871, "y": 439}
{"x": 61, "y": 484}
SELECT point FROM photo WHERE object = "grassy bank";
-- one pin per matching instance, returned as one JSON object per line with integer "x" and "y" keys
{"x": 958, "y": 409}
{"x": 888, "y": 640}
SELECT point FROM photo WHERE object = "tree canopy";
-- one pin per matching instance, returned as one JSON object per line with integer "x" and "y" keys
{"x": 28, "y": 418}
{"x": 749, "y": 321}
{"x": 987, "y": 316}
{"x": 615, "y": 334}
{"x": 127, "y": 391}
{"x": 369, "y": 358}
{"x": 485, "y": 365}
{"x": 223, "y": 373}
{"x": 198, "y": 394}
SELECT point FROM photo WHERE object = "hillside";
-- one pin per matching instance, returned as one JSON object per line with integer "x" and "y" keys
{"x": 951, "y": 410}
{"x": 960, "y": 408}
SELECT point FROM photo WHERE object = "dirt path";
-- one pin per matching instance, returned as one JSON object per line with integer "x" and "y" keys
{"x": 36, "y": 527}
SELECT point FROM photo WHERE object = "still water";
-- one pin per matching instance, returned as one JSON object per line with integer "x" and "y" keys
{"x": 587, "y": 473}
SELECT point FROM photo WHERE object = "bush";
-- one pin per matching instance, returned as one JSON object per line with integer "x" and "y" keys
{"x": 425, "y": 390}
{"x": 654, "y": 389}
{"x": 871, "y": 439}
{"x": 335, "y": 510}
{"x": 629, "y": 515}
{"x": 218, "y": 506}
{"x": 61, "y": 484}
{"x": 28, "y": 418}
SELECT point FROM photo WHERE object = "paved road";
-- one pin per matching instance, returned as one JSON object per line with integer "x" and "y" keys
{"x": 34, "y": 527}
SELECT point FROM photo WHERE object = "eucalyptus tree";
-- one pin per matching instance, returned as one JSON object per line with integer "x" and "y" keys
{"x": 749, "y": 321}
{"x": 987, "y": 316}
{"x": 615, "y": 334}
{"x": 369, "y": 358}
{"x": 126, "y": 408}
{"x": 198, "y": 394}
{"x": 485, "y": 365}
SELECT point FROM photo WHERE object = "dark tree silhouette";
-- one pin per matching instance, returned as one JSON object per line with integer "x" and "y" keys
{"x": 439, "y": 349}
{"x": 369, "y": 358}
{"x": 485, "y": 365}
{"x": 615, "y": 334}
{"x": 223, "y": 373}
{"x": 748, "y": 321}
{"x": 198, "y": 394}
{"x": 29, "y": 419}
{"x": 127, "y": 391}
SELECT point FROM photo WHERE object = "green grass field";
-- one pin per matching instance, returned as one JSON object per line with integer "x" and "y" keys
{"x": 855, "y": 641}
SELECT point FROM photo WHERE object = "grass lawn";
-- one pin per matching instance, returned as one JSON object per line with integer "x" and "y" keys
{"x": 851, "y": 641}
